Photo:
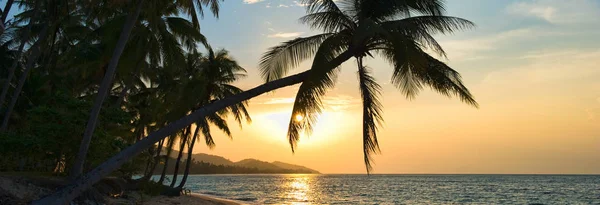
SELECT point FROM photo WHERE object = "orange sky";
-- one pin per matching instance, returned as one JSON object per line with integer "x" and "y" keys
{"x": 532, "y": 66}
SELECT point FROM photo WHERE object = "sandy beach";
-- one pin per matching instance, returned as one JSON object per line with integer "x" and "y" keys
{"x": 190, "y": 199}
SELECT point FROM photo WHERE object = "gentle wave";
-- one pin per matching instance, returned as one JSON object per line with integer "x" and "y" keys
{"x": 401, "y": 189}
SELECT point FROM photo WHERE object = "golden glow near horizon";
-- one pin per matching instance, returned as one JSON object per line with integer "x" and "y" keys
{"x": 300, "y": 188}
{"x": 535, "y": 75}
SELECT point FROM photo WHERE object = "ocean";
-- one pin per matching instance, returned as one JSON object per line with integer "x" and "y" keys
{"x": 400, "y": 189}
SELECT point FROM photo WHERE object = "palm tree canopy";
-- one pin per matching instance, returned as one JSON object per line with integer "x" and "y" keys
{"x": 399, "y": 31}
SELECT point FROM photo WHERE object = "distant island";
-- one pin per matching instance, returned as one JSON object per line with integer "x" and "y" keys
{"x": 213, "y": 164}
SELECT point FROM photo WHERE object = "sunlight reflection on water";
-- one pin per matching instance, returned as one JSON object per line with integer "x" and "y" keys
{"x": 298, "y": 189}
{"x": 400, "y": 189}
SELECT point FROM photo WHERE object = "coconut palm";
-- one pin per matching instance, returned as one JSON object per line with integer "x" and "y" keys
{"x": 158, "y": 39}
{"x": 11, "y": 71}
{"x": 214, "y": 72}
{"x": 35, "y": 52}
{"x": 104, "y": 89}
{"x": 399, "y": 31}
{"x": 194, "y": 9}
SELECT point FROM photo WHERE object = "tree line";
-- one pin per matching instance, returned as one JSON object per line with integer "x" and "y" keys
{"x": 201, "y": 167}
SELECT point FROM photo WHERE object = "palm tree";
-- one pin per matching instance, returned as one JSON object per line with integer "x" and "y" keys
{"x": 103, "y": 90}
{"x": 214, "y": 73}
{"x": 358, "y": 29}
{"x": 170, "y": 143}
{"x": 158, "y": 29}
{"x": 25, "y": 38}
{"x": 54, "y": 18}
{"x": 31, "y": 61}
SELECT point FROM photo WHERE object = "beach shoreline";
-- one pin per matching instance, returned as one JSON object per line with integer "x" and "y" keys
{"x": 193, "y": 198}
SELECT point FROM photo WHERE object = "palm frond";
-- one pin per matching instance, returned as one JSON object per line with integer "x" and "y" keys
{"x": 421, "y": 28}
{"x": 322, "y": 76}
{"x": 220, "y": 123}
{"x": 213, "y": 4}
{"x": 185, "y": 31}
{"x": 205, "y": 127}
{"x": 446, "y": 81}
{"x": 386, "y": 10}
{"x": 372, "y": 113}
{"x": 314, "y": 6}
{"x": 406, "y": 56}
{"x": 328, "y": 21}
{"x": 276, "y": 62}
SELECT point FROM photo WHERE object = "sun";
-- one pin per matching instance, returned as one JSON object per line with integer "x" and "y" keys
{"x": 298, "y": 118}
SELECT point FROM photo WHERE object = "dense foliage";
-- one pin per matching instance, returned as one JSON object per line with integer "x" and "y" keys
{"x": 54, "y": 55}
{"x": 201, "y": 167}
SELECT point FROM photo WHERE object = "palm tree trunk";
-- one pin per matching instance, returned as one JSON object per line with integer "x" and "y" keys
{"x": 155, "y": 160}
{"x": 178, "y": 162}
{"x": 188, "y": 162}
{"x": 66, "y": 194}
{"x": 163, "y": 174}
{"x": 13, "y": 67}
{"x": 35, "y": 54}
{"x": 103, "y": 92}
{"x": 168, "y": 156}
{"x": 11, "y": 70}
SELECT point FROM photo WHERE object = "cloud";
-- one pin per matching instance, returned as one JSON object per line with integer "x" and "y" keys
{"x": 285, "y": 35}
{"x": 529, "y": 9}
{"x": 557, "y": 66}
{"x": 340, "y": 102}
{"x": 273, "y": 101}
{"x": 299, "y": 4}
{"x": 334, "y": 103}
{"x": 470, "y": 49}
{"x": 474, "y": 48}
{"x": 252, "y": 1}
{"x": 285, "y": 5}
{"x": 557, "y": 11}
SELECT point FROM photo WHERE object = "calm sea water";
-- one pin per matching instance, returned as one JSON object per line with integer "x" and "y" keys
{"x": 400, "y": 189}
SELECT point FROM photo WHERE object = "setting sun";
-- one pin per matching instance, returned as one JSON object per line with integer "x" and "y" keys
{"x": 299, "y": 118}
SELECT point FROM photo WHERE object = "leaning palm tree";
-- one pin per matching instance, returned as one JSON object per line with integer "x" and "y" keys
{"x": 400, "y": 31}
{"x": 132, "y": 16}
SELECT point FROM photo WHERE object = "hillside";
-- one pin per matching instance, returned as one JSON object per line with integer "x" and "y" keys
{"x": 284, "y": 165}
{"x": 246, "y": 165}
{"x": 213, "y": 159}
{"x": 253, "y": 163}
